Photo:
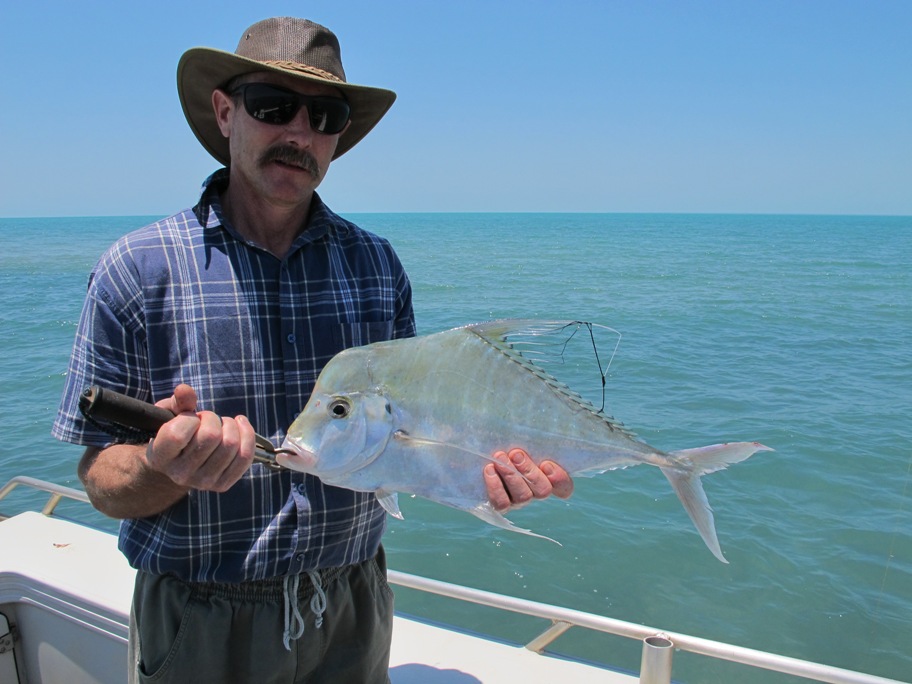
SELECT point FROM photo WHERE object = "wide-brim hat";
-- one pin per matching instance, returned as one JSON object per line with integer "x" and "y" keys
{"x": 285, "y": 45}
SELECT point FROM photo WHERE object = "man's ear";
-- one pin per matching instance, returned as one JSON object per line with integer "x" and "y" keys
{"x": 223, "y": 106}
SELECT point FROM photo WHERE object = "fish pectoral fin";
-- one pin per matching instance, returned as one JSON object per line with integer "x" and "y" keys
{"x": 403, "y": 436}
{"x": 390, "y": 503}
{"x": 486, "y": 512}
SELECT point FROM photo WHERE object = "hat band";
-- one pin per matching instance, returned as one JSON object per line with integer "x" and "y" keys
{"x": 297, "y": 66}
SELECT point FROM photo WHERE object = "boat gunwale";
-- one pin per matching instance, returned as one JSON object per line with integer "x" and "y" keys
{"x": 562, "y": 619}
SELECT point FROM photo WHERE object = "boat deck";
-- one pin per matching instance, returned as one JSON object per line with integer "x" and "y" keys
{"x": 426, "y": 654}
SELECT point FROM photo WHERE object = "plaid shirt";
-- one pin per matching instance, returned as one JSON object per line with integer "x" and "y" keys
{"x": 188, "y": 300}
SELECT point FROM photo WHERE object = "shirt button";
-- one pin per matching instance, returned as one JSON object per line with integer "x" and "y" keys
{"x": 299, "y": 558}
{"x": 291, "y": 338}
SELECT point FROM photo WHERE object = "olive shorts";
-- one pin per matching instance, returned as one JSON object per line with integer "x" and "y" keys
{"x": 199, "y": 632}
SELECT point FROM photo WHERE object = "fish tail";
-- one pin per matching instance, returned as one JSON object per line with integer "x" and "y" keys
{"x": 685, "y": 472}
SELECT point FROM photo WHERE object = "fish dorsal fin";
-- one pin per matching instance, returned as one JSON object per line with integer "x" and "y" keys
{"x": 533, "y": 343}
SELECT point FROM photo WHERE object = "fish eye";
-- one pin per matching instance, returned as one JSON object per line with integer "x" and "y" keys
{"x": 339, "y": 408}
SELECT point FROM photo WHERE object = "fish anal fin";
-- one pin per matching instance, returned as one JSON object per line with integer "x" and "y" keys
{"x": 485, "y": 511}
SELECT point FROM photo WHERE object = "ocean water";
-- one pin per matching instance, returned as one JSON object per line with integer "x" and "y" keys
{"x": 795, "y": 331}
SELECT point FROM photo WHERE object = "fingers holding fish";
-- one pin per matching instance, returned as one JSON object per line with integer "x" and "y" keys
{"x": 517, "y": 479}
{"x": 561, "y": 482}
{"x": 497, "y": 493}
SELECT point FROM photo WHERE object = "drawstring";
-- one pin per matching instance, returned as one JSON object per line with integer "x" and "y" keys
{"x": 318, "y": 600}
{"x": 294, "y": 621}
{"x": 292, "y": 614}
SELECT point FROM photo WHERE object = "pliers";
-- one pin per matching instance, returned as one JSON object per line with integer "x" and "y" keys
{"x": 137, "y": 420}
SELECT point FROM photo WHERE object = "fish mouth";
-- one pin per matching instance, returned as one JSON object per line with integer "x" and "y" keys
{"x": 295, "y": 456}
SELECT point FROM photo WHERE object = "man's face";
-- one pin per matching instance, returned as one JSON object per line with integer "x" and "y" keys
{"x": 282, "y": 164}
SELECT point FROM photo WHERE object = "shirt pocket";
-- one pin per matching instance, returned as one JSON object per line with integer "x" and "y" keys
{"x": 359, "y": 333}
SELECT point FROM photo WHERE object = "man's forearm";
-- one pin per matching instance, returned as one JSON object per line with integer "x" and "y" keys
{"x": 121, "y": 485}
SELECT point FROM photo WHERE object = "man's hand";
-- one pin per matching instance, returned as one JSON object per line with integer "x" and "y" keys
{"x": 200, "y": 450}
{"x": 191, "y": 451}
{"x": 507, "y": 488}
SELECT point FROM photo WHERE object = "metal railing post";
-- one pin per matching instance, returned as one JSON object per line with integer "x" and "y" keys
{"x": 655, "y": 665}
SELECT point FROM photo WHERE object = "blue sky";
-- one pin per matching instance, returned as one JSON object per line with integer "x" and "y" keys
{"x": 745, "y": 106}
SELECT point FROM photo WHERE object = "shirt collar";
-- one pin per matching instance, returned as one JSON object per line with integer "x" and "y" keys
{"x": 209, "y": 208}
{"x": 321, "y": 221}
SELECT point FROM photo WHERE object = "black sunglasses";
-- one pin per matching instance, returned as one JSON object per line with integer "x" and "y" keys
{"x": 273, "y": 104}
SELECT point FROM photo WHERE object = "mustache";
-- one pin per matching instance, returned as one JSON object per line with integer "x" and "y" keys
{"x": 294, "y": 156}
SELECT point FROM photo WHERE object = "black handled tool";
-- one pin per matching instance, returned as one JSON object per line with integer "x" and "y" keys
{"x": 143, "y": 419}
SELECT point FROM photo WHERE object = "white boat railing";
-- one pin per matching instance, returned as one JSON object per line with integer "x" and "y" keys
{"x": 56, "y": 491}
{"x": 658, "y": 645}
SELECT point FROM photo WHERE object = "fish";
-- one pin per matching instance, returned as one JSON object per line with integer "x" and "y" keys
{"x": 422, "y": 416}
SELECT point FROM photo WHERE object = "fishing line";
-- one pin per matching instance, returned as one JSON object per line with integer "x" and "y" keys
{"x": 603, "y": 373}
{"x": 542, "y": 353}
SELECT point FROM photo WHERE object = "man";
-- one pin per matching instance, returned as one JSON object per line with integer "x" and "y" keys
{"x": 225, "y": 314}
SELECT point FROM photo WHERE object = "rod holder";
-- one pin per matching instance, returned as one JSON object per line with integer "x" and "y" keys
{"x": 655, "y": 665}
